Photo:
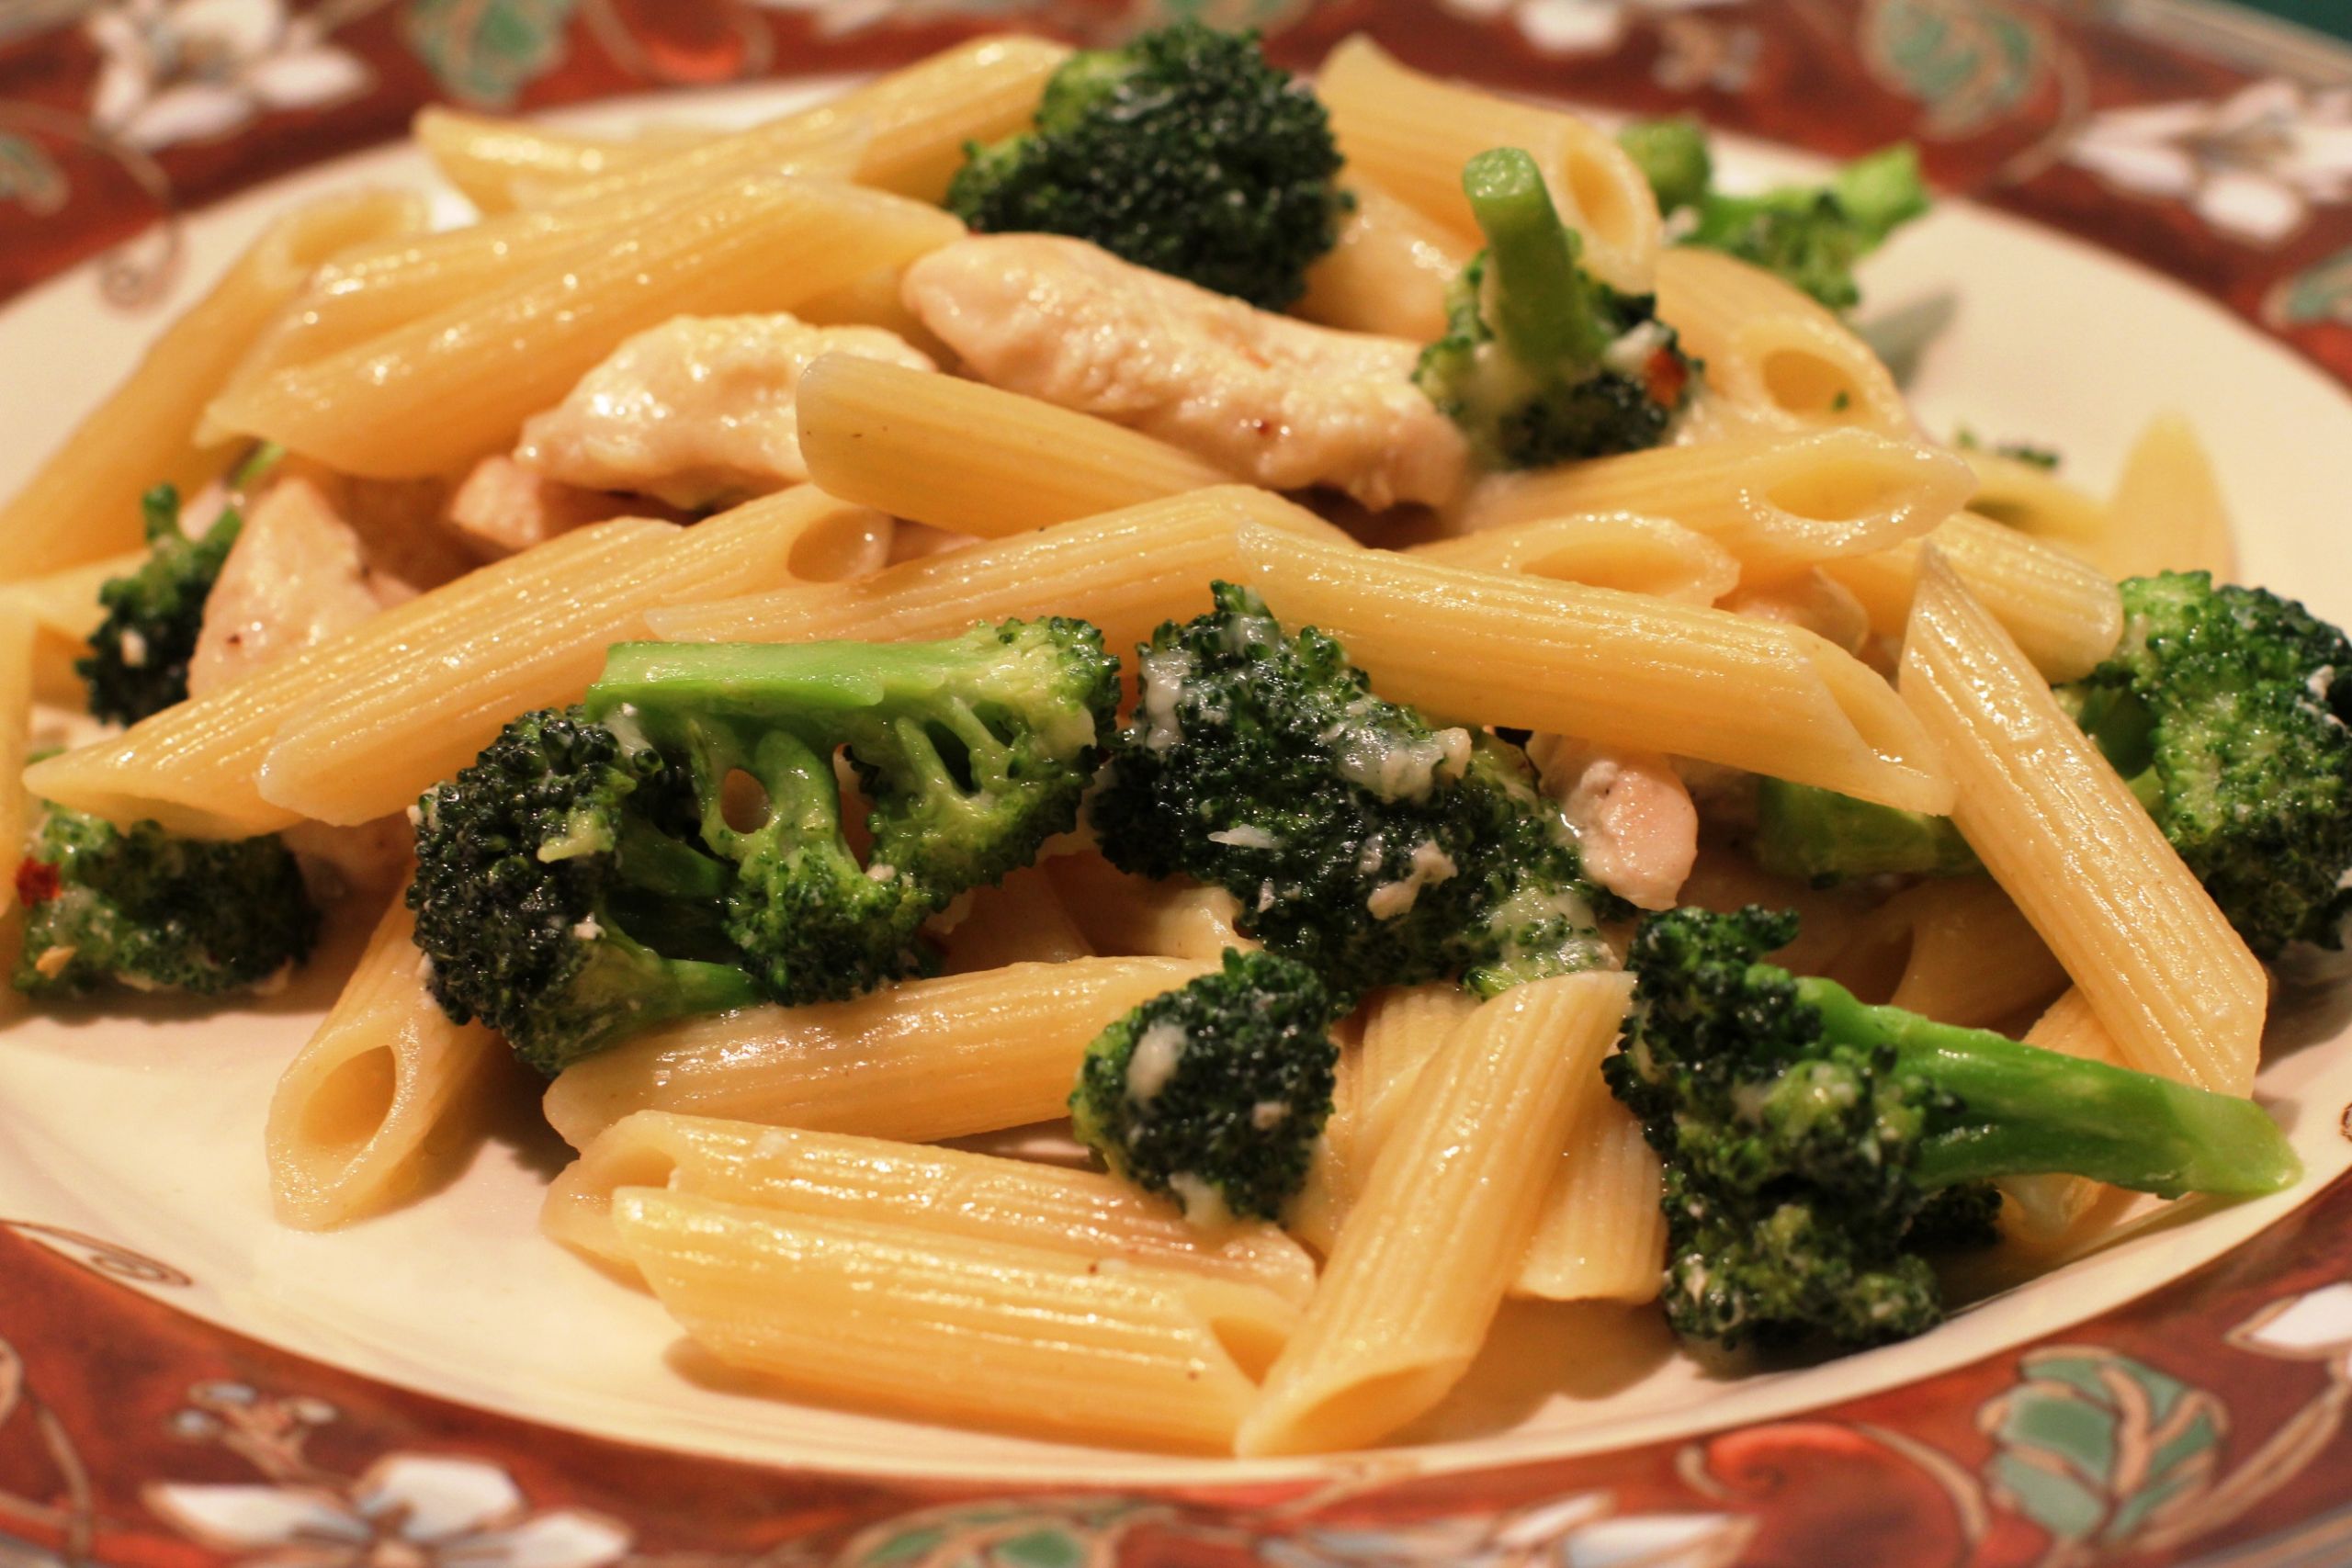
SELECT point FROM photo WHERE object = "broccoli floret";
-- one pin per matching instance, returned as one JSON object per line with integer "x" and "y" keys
{"x": 1814, "y": 1144}
{"x": 1810, "y": 235}
{"x": 142, "y": 910}
{"x": 601, "y": 870}
{"x": 1541, "y": 362}
{"x": 139, "y": 655}
{"x": 1358, "y": 838}
{"x": 2225, "y": 708}
{"x": 1216, "y": 1092}
{"x": 2046, "y": 458}
{"x": 1184, "y": 152}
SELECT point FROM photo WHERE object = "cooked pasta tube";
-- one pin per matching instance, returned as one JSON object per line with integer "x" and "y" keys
{"x": 83, "y": 504}
{"x": 922, "y": 1061}
{"x": 1955, "y": 949}
{"x": 1139, "y": 917}
{"x": 1771, "y": 351}
{"x": 972, "y": 459}
{"x": 1610, "y": 549}
{"x": 1127, "y": 571}
{"x": 2063, "y": 835}
{"x": 1335, "y": 1165}
{"x": 912, "y": 1187}
{"x": 955, "y": 1328}
{"x": 440, "y": 391}
{"x": 1423, "y": 1260}
{"x": 379, "y": 738}
{"x": 1614, "y": 669}
{"x": 487, "y": 158}
{"x": 875, "y": 301}
{"x": 1601, "y": 1236}
{"x": 825, "y": 149}
{"x": 2064, "y": 613}
{"x": 1411, "y": 133}
{"x": 2048, "y": 1217}
{"x": 1778, "y": 502}
{"x": 64, "y": 610}
{"x": 18, "y": 633}
{"x": 349, "y": 1121}
{"x": 2031, "y": 499}
{"x": 2167, "y": 511}
{"x": 1388, "y": 271}
{"x": 1020, "y": 920}
{"x": 1403, "y": 1027}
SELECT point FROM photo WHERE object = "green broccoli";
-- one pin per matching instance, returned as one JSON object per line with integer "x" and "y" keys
{"x": 2225, "y": 708}
{"x": 676, "y": 845}
{"x": 1814, "y": 1144}
{"x": 139, "y": 655}
{"x": 1184, "y": 152}
{"x": 2046, "y": 458}
{"x": 1358, "y": 838}
{"x": 142, "y": 909}
{"x": 1541, "y": 362}
{"x": 1810, "y": 235}
{"x": 1216, "y": 1092}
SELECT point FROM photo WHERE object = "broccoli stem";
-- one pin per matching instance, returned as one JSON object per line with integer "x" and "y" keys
{"x": 2025, "y": 1111}
{"x": 757, "y": 681}
{"x": 1539, "y": 301}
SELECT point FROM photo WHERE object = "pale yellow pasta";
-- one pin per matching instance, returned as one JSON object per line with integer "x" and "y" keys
{"x": 2045, "y": 1218}
{"x": 1955, "y": 949}
{"x": 486, "y": 157}
{"x": 1727, "y": 880}
{"x": 2063, "y": 835}
{"x": 439, "y": 391}
{"x": 875, "y": 301}
{"x": 1779, "y": 503}
{"x": 1335, "y": 1167}
{"x": 18, "y": 634}
{"x": 1615, "y": 668}
{"x": 1608, "y": 550}
{"x": 2167, "y": 512}
{"x": 369, "y": 747}
{"x": 2064, "y": 612}
{"x": 820, "y": 146}
{"x": 2031, "y": 499}
{"x": 1770, "y": 350}
{"x": 972, "y": 459}
{"x": 64, "y": 610}
{"x": 349, "y": 1122}
{"x": 922, "y": 1061}
{"x": 914, "y": 1187}
{"x": 1411, "y": 133}
{"x": 1127, "y": 915}
{"x": 951, "y": 1329}
{"x": 1020, "y": 920}
{"x": 1388, "y": 270}
{"x": 1424, "y": 1259}
{"x": 1601, "y": 1236}
{"x": 83, "y": 504}
{"x": 1127, "y": 571}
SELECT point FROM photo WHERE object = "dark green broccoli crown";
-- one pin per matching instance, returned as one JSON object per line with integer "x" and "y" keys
{"x": 1541, "y": 363}
{"x": 1216, "y": 1092}
{"x": 139, "y": 656}
{"x": 2227, "y": 708}
{"x": 1184, "y": 152}
{"x": 1358, "y": 838}
{"x": 147, "y": 911}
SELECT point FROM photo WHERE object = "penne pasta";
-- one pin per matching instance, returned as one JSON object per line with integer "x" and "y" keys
{"x": 1388, "y": 271}
{"x": 1614, "y": 669}
{"x": 1601, "y": 1236}
{"x": 83, "y": 504}
{"x": 17, "y": 635}
{"x": 447, "y": 387}
{"x": 2167, "y": 514}
{"x": 2028, "y": 498}
{"x": 1955, "y": 949}
{"x": 1403, "y": 1028}
{"x": 1778, "y": 502}
{"x": 1770, "y": 350}
{"x": 971, "y": 459}
{"x": 1127, "y": 571}
{"x": 1423, "y": 1263}
{"x": 1411, "y": 133}
{"x": 1020, "y": 920}
{"x": 1126, "y": 916}
{"x": 2064, "y": 837}
{"x": 922, "y": 1061}
{"x": 487, "y": 158}
{"x": 910, "y": 1187}
{"x": 952, "y": 1329}
{"x": 64, "y": 609}
{"x": 1624, "y": 550}
{"x": 350, "y": 1122}
{"x": 2045, "y": 1218}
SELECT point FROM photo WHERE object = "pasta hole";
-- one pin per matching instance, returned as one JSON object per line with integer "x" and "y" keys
{"x": 1802, "y": 383}
{"x": 743, "y": 802}
{"x": 1370, "y": 1407}
{"x": 352, "y": 1103}
{"x": 1836, "y": 492}
{"x": 1252, "y": 1340}
{"x": 636, "y": 1167}
{"x": 1600, "y": 199}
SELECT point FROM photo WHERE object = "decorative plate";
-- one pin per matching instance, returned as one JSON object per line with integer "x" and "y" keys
{"x": 182, "y": 1385}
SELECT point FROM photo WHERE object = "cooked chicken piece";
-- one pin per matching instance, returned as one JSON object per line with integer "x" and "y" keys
{"x": 403, "y": 533}
{"x": 697, "y": 410}
{"x": 1634, "y": 822}
{"x": 367, "y": 857}
{"x": 295, "y": 576}
{"x": 1274, "y": 400}
{"x": 504, "y": 508}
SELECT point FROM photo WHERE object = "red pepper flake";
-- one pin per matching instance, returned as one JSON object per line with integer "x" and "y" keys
{"x": 1664, "y": 375}
{"x": 36, "y": 882}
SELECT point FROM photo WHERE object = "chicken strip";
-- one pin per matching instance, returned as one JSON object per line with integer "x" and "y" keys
{"x": 296, "y": 577}
{"x": 502, "y": 508}
{"x": 1272, "y": 400}
{"x": 1634, "y": 822}
{"x": 696, "y": 410}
